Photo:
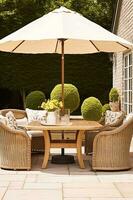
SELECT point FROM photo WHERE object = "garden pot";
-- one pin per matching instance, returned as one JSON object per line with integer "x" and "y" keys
{"x": 115, "y": 106}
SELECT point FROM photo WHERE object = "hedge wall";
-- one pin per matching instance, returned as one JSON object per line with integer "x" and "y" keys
{"x": 90, "y": 73}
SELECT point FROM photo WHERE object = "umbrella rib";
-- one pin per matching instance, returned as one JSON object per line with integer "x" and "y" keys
{"x": 94, "y": 45}
{"x": 56, "y": 46}
{"x": 18, "y": 45}
{"x": 122, "y": 45}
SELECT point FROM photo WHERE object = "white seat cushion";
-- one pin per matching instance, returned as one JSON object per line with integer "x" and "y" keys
{"x": 128, "y": 117}
{"x": 35, "y": 133}
{"x": 22, "y": 121}
{"x": 76, "y": 117}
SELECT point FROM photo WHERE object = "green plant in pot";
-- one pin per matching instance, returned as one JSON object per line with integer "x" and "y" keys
{"x": 105, "y": 107}
{"x": 91, "y": 109}
{"x": 34, "y": 100}
{"x": 114, "y": 99}
{"x": 71, "y": 96}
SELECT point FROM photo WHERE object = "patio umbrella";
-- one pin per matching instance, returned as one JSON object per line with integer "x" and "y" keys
{"x": 63, "y": 31}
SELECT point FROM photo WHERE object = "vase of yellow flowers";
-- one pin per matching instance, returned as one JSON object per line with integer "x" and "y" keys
{"x": 52, "y": 107}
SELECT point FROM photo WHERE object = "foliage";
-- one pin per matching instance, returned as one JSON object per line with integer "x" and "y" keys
{"x": 51, "y": 105}
{"x": 113, "y": 95}
{"x": 34, "y": 100}
{"x": 91, "y": 109}
{"x": 71, "y": 96}
{"x": 105, "y": 107}
{"x": 42, "y": 72}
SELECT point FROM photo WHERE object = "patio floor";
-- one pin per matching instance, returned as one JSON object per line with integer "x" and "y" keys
{"x": 65, "y": 182}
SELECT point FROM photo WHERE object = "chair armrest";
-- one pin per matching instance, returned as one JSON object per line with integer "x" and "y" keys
{"x": 15, "y": 131}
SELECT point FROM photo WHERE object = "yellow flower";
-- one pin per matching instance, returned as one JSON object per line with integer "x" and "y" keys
{"x": 52, "y": 105}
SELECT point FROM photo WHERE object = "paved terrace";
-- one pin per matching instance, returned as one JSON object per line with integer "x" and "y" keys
{"x": 65, "y": 182}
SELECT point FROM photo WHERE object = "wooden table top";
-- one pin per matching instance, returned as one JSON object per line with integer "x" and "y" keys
{"x": 74, "y": 125}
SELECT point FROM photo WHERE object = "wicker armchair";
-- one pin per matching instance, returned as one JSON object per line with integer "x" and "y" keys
{"x": 19, "y": 114}
{"x": 15, "y": 148}
{"x": 111, "y": 148}
{"x": 90, "y": 135}
{"x": 37, "y": 143}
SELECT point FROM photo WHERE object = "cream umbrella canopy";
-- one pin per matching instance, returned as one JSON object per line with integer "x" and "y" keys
{"x": 63, "y": 28}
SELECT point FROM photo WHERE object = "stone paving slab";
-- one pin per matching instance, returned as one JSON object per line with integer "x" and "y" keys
{"x": 111, "y": 199}
{"x": 33, "y": 195}
{"x": 125, "y": 188}
{"x": 89, "y": 192}
{"x": 2, "y": 192}
{"x": 8, "y": 177}
{"x": 49, "y": 186}
{"x": 77, "y": 198}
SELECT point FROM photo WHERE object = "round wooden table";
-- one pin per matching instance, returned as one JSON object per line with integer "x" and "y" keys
{"x": 75, "y": 125}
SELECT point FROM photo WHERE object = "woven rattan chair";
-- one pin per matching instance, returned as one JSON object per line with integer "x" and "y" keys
{"x": 90, "y": 135}
{"x": 111, "y": 148}
{"x": 15, "y": 148}
{"x": 37, "y": 144}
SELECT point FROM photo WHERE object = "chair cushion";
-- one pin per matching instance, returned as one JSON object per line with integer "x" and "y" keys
{"x": 128, "y": 117}
{"x": 22, "y": 122}
{"x": 11, "y": 120}
{"x": 35, "y": 115}
{"x": 112, "y": 117}
{"x": 35, "y": 133}
{"x": 3, "y": 119}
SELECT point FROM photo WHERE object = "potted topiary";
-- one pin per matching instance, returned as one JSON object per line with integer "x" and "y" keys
{"x": 71, "y": 96}
{"x": 114, "y": 100}
{"x": 34, "y": 100}
{"x": 105, "y": 107}
{"x": 91, "y": 109}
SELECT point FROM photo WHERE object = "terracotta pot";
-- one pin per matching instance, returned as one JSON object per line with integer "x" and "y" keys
{"x": 115, "y": 106}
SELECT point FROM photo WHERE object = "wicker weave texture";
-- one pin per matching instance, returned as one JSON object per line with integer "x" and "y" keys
{"x": 37, "y": 144}
{"x": 90, "y": 135}
{"x": 15, "y": 149}
{"x": 111, "y": 148}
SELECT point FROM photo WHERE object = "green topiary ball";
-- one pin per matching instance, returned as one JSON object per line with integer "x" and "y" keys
{"x": 71, "y": 96}
{"x": 34, "y": 99}
{"x": 91, "y": 109}
{"x": 114, "y": 95}
{"x": 105, "y": 108}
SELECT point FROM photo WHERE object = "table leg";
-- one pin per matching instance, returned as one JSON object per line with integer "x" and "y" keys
{"x": 79, "y": 149}
{"x": 47, "y": 148}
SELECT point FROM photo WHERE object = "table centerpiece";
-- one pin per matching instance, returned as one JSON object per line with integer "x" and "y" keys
{"x": 53, "y": 109}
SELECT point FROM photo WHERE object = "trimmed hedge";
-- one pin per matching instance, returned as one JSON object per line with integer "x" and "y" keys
{"x": 34, "y": 99}
{"x": 71, "y": 96}
{"x": 105, "y": 108}
{"x": 113, "y": 95}
{"x": 91, "y": 109}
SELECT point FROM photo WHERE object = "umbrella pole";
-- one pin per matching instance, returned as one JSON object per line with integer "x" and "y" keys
{"x": 62, "y": 85}
{"x": 62, "y": 159}
{"x": 62, "y": 71}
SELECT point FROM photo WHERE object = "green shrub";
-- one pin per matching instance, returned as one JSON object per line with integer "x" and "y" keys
{"x": 91, "y": 109}
{"x": 71, "y": 96}
{"x": 113, "y": 95}
{"x": 34, "y": 99}
{"x": 105, "y": 108}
